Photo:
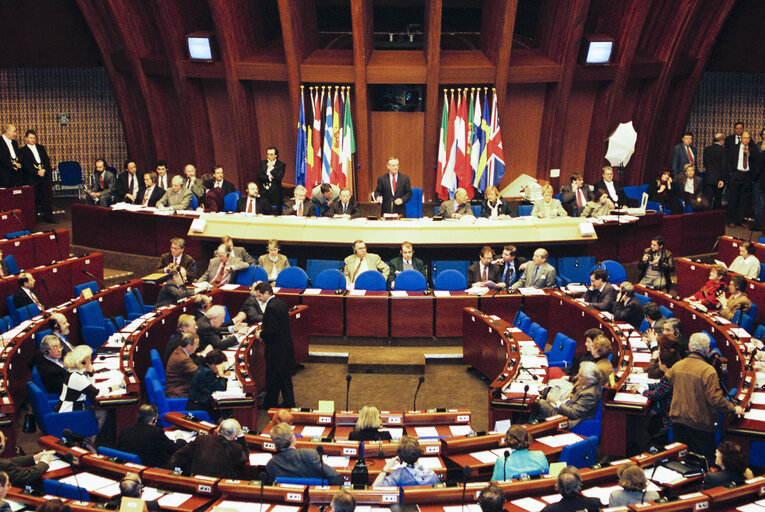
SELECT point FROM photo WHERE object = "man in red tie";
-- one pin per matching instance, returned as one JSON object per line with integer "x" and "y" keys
{"x": 299, "y": 205}
{"x": 254, "y": 203}
{"x": 683, "y": 153}
{"x": 222, "y": 268}
{"x": 741, "y": 179}
{"x": 104, "y": 183}
{"x": 484, "y": 271}
{"x": 575, "y": 195}
{"x": 177, "y": 258}
{"x": 393, "y": 190}
{"x": 25, "y": 295}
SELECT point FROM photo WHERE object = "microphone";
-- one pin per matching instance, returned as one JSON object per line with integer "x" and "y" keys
{"x": 414, "y": 404}
{"x": 523, "y": 404}
{"x": 507, "y": 454}
{"x": 751, "y": 358}
{"x": 465, "y": 475}
{"x": 521, "y": 367}
{"x": 320, "y": 451}
{"x": 69, "y": 458}
{"x": 380, "y": 453}
{"x": 347, "y": 389}
{"x": 47, "y": 292}
{"x": 12, "y": 212}
{"x": 99, "y": 281}
{"x": 58, "y": 245}
{"x": 655, "y": 465}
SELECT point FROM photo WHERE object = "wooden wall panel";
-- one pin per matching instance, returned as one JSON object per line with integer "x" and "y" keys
{"x": 400, "y": 134}
{"x": 577, "y": 132}
{"x": 222, "y": 132}
{"x": 276, "y": 125}
{"x": 520, "y": 139}
{"x": 171, "y": 145}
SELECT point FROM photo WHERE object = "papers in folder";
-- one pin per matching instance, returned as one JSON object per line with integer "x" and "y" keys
{"x": 93, "y": 483}
{"x": 559, "y": 440}
{"x": 632, "y": 398}
{"x": 530, "y": 504}
{"x": 663, "y": 475}
{"x": 426, "y": 431}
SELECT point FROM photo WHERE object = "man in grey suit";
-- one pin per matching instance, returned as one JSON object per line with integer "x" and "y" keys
{"x": 237, "y": 251}
{"x": 581, "y": 405}
{"x": 361, "y": 261}
{"x": 538, "y": 275}
{"x": 683, "y": 153}
{"x": 457, "y": 207}
{"x": 193, "y": 183}
{"x": 297, "y": 463}
{"x": 221, "y": 267}
{"x": 103, "y": 189}
{"x": 177, "y": 198}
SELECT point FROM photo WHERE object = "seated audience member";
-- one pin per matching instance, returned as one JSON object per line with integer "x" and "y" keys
{"x": 50, "y": 365}
{"x": 181, "y": 366}
{"x": 296, "y": 462}
{"x": 455, "y": 208}
{"x": 510, "y": 265}
{"x": 208, "y": 378}
{"x": 208, "y": 329}
{"x": 237, "y": 251}
{"x": 221, "y": 454}
{"x": 193, "y": 183}
{"x": 253, "y": 202}
{"x": 131, "y": 487}
{"x": 709, "y": 294}
{"x": 521, "y": 460}
{"x": 201, "y": 304}
{"x": 5, "y": 485}
{"x": 671, "y": 327}
{"x": 583, "y": 403}
{"x": 601, "y": 295}
{"x": 104, "y": 183}
{"x": 746, "y": 263}
{"x": 600, "y": 349}
{"x": 164, "y": 179}
{"x": 4, "y": 271}
{"x": 404, "y": 470}
{"x": 656, "y": 265}
{"x": 343, "y": 501}
{"x": 368, "y": 426}
{"x": 569, "y": 485}
{"x": 26, "y": 469}
{"x": 633, "y": 482}
{"x": 53, "y": 505}
{"x": 589, "y": 337}
{"x": 614, "y": 188}
{"x": 485, "y": 271}
{"x": 662, "y": 191}
{"x": 627, "y": 307}
{"x": 600, "y": 205}
{"x": 186, "y": 324}
{"x": 493, "y": 207}
{"x": 660, "y": 393}
{"x": 281, "y": 416}
{"x": 406, "y": 261}
{"x": 575, "y": 195}
{"x": 361, "y": 261}
{"x": 251, "y": 311}
{"x": 221, "y": 268}
{"x": 177, "y": 198}
{"x": 538, "y": 274}
{"x": 218, "y": 181}
{"x": 299, "y": 205}
{"x": 213, "y": 196}
{"x": 147, "y": 440}
{"x": 174, "y": 289}
{"x": 323, "y": 196}
{"x": 59, "y": 326}
{"x": 177, "y": 258}
{"x": 736, "y": 300}
{"x": 548, "y": 207}
{"x": 690, "y": 188}
{"x": 665, "y": 340}
{"x": 653, "y": 317}
{"x": 149, "y": 194}
{"x": 25, "y": 296}
{"x": 346, "y": 206}
{"x": 732, "y": 463}
{"x": 273, "y": 262}
{"x": 492, "y": 499}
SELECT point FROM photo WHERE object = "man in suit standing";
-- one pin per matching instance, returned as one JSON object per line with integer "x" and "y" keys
{"x": 177, "y": 258}
{"x": 740, "y": 161}
{"x": 683, "y": 153}
{"x": 360, "y": 261}
{"x": 691, "y": 189}
{"x": 484, "y": 271}
{"x": 734, "y": 139}
{"x": 393, "y": 190}
{"x": 177, "y": 198}
{"x": 614, "y": 188}
{"x": 299, "y": 205}
{"x": 510, "y": 266}
{"x": 538, "y": 275}
{"x": 279, "y": 350}
{"x": 50, "y": 364}
{"x": 149, "y": 194}
{"x": 455, "y": 208}
{"x": 220, "y": 182}
{"x": 36, "y": 167}
{"x": 254, "y": 202}
{"x": 716, "y": 174}
{"x": 191, "y": 182}
{"x": 575, "y": 195}
{"x": 25, "y": 295}
{"x": 128, "y": 184}
{"x": 601, "y": 295}
{"x": 221, "y": 267}
{"x": 406, "y": 261}
{"x": 103, "y": 188}
{"x": 10, "y": 159}
{"x": 269, "y": 178}
{"x": 345, "y": 206}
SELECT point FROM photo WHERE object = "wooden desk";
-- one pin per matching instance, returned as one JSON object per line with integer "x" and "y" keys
{"x": 22, "y": 199}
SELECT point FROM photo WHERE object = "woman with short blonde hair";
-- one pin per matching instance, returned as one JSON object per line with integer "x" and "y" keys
{"x": 368, "y": 426}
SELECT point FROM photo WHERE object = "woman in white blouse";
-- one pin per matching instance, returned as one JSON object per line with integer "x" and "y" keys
{"x": 746, "y": 263}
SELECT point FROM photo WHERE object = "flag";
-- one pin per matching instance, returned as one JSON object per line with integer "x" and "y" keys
{"x": 495, "y": 152}
{"x": 462, "y": 166}
{"x": 301, "y": 157}
{"x": 327, "y": 151}
{"x": 309, "y": 157}
{"x": 450, "y": 178}
{"x": 349, "y": 143}
{"x": 469, "y": 133}
{"x": 477, "y": 142}
{"x": 441, "y": 190}
{"x": 481, "y": 178}
{"x": 336, "y": 177}
{"x": 315, "y": 177}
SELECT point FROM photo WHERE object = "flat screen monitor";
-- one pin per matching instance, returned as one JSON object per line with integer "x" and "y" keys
{"x": 599, "y": 52}
{"x": 200, "y": 48}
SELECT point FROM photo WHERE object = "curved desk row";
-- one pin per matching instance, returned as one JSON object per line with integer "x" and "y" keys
{"x": 41, "y": 248}
{"x": 22, "y": 199}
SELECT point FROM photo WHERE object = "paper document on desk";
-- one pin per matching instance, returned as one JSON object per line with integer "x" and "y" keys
{"x": 602, "y": 493}
{"x": 173, "y": 499}
{"x": 426, "y": 431}
{"x": 741, "y": 333}
{"x": 468, "y": 507}
{"x": 441, "y": 293}
{"x": 187, "y": 436}
{"x": 230, "y": 286}
{"x": 337, "y": 461}
{"x": 518, "y": 387}
{"x": 663, "y": 475}
{"x": 312, "y": 431}
{"x": 631, "y": 398}
{"x": 312, "y": 291}
{"x": 260, "y": 459}
{"x": 460, "y": 430}
{"x": 533, "y": 361}
{"x": 357, "y": 293}
{"x": 485, "y": 456}
{"x": 530, "y": 504}
{"x": 284, "y": 508}
{"x": 151, "y": 494}
{"x": 229, "y": 394}
{"x": 751, "y": 507}
{"x": 531, "y": 291}
{"x": 641, "y": 357}
{"x": 398, "y": 293}
{"x": 395, "y": 433}
{"x": 559, "y": 440}
{"x": 758, "y": 399}
{"x": 755, "y": 414}
{"x": 88, "y": 481}
{"x": 57, "y": 463}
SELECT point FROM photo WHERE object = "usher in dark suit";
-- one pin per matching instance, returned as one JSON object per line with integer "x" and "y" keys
{"x": 403, "y": 191}
{"x": 271, "y": 187}
{"x": 279, "y": 353}
{"x": 42, "y": 186}
{"x": 9, "y": 177}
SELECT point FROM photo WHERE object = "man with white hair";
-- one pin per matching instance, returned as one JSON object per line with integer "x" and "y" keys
{"x": 296, "y": 463}
{"x": 221, "y": 267}
{"x": 177, "y": 198}
{"x": 697, "y": 399}
{"x": 457, "y": 207}
{"x": 299, "y": 205}
{"x": 222, "y": 454}
{"x": 208, "y": 329}
{"x": 538, "y": 274}
{"x": 582, "y": 405}
{"x": 10, "y": 158}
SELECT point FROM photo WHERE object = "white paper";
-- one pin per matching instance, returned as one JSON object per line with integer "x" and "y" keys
{"x": 174, "y": 499}
{"x": 336, "y": 461}
{"x": 426, "y": 431}
{"x": 758, "y": 399}
{"x": 663, "y": 475}
{"x": 751, "y": 507}
{"x": 284, "y": 508}
{"x": 398, "y": 293}
{"x": 356, "y": 293}
{"x": 234, "y": 505}
{"x": 741, "y": 333}
{"x": 632, "y": 398}
{"x": 312, "y": 291}
{"x": 430, "y": 462}
{"x": 560, "y": 440}
{"x": 641, "y": 357}
{"x": 312, "y": 431}
{"x": 469, "y": 507}
{"x": 530, "y": 504}
{"x": 437, "y": 293}
{"x": 88, "y": 481}
{"x": 531, "y": 291}
{"x": 151, "y": 494}
{"x": 395, "y": 433}
{"x": 460, "y": 430}
{"x": 485, "y": 457}
{"x": 260, "y": 459}
{"x": 755, "y": 414}
{"x": 533, "y": 361}
{"x": 56, "y": 464}
{"x": 602, "y": 493}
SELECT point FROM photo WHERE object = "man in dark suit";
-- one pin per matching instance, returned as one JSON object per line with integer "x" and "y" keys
{"x": 219, "y": 181}
{"x": 322, "y": 197}
{"x": 177, "y": 258}
{"x": 575, "y": 195}
{"x": 222, "y": 454}
{"x": 25, "y": 295}
{"x": 209, "y": 330}
{"x": 36, "y": 169}
{"x": 345, "y": 206}
{"x": 484, "y": 271}
{"x": 684, "y": 153}
{"x": 734, "y": 139}
{"x": 174, "y": 288}
{"x": 455, "y": 208}
{"x": 601, "y": 295}
{"x": 296, "y": 463}
{"x": 269, "y": 178}
{"x": 716, "y": 168}
{"x": 279, "y": 351}
{"x": 253, "y": 202}
{"x": 406, "y": 261}
{"x": 128, "y": 184}
{"x": 393, "y": 190}
{"x": 627, "y": 307}
{"x": 147, "y": 440}
{"x": 164, "y": 178}
{"x": 150, "y": 192}
{"x": 59, "y": 326}
{"x": 299, "y": 205}
{"x": 614, "y": 188}
{"x": 103, "y": 187}
{"x": 740, "y": 161}
{"x": 10, "y": 159}
{"x": 690, "y": 189}
{"x": 26, "y": 469}
{"x": 510, "y": 266}
{"x": 250, "y": 311}
{"x": 187, "y": 324}
{"x": 50, "y": 365}
{"x": 191, "y": 182}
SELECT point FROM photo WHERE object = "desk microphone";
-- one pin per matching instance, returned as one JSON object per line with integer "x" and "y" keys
{"x": 320, "y": 451}
{"x": 99, "y": 281}
{"x": 58, "y": 245}
{"x": 419, "y": 383}
{"x": 504, "y": 466}
{"x": 12, "y": 212}
{"x": 465, "y": 475}
{"x": 347, "y": 389}
{"x": 69, "y": 458}
{"x": 751, "y": 359}
{"x": 521, "y": 367}
{"x": 655, "y": 465}
{"x": 380, "y": 452}
{"x": 523, "y": 404}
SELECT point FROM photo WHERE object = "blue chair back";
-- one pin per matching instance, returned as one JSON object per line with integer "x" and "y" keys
{"x": 292, "y": 277}
{"x": 246, "y": 276}
{"x": 260, "y": 274}
{"x": 642, "y": 298}
{"x": 17, "y": 234}
{"x": 757, "y": 452}
{"x": 540, "y": 337}
{"x": 575, "y": 269}
{"x": 532, "y": 327}
{"x": 119, "y": 454}
{"x": 70, "y": 173}
{"x": 524, "y": 210}
{"x": 10, "y": 262}
{"x": 92, "y": 285}
{"x": 371, "y": 280}
{"x": 562, "y": 351}
{"x": 616, "y": 273}
{"x": 299, "y": 481}
{"x": 753, "y": 310}
{"x": 414, "y": 205}
{"x": 666, "y": 312}
{"x": 635, "y": 191}
{"x": 229, "y": 202}
{"x": 94, "y": 327}
{"x": 580, "y": 454}
{"x": 410, "y": 281}
{"x": 746, "y": 323}
{"x": 759, "y": 332}
{"x": 591, "y": 427}
{"x": 330, "y": 279}
{"x": 132, "y": 306}
{"x": 156, "y": 363}
{"x": 5, "y": 325}
{"x": 476, "y": 209}
{"x": 460, "y": 266}
{"x": 66, "y": 491}
{"x": 194, "y": 202}
{"x": 314, "y": 267}
{"x": 524, "y": 323}
{"x": 451, "y": 280}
